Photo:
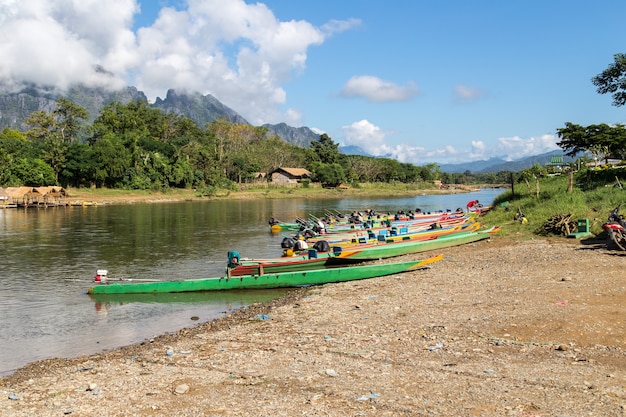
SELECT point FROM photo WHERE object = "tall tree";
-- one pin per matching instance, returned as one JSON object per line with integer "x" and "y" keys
{"x": 45, "y": 135}
{"x": 574, "y": 139}
{"x": 600, "y": 139}
{"x": 364, "y": 168}
{"x": 42, "y": 126}
{"x": 613, "y": 80}
{"x": 326, "y": 149}
{"x": 68, "y": 118}
{"x": 330, "y": 175}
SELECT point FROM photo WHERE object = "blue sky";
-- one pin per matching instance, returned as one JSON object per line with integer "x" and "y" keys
{"x": 421, "y": 81}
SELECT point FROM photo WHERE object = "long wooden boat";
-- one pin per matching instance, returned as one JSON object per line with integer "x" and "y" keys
{"x": 314, "y": 260}
{"x": 402, "y": 221}
{"x": 380, "y": 251}
{"x": 394, "y": 234}
{"x": 380, "y": 221}
{"x": 341, "y": 256}
{"x": 285, "y": 279}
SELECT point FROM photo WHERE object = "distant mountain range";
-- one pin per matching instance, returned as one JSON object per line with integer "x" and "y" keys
{"x": 15, "y": 108}
{"x": 493, "y": 165}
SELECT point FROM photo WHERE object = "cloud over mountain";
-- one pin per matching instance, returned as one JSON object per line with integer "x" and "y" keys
{"x": 238, "y": 52}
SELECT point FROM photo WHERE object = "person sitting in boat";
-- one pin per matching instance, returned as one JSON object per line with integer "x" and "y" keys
{"x": 233, "y": 258}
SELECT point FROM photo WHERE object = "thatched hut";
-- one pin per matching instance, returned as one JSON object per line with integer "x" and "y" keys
{"x": 35, "y": 196}
{"x": 51, "y": 195}
{"x": 22, "y": 196}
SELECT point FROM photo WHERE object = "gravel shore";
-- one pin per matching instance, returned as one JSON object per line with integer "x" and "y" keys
{"x": 497, "y": 328}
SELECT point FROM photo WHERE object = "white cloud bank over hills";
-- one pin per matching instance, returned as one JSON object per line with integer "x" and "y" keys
{"x": 372, "y": 140}
{"x": 238, "y": 52}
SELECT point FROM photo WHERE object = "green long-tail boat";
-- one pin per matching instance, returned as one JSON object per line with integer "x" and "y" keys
{"x": 357, "y": 253}
{"x": 388, "y": 250}
{"x": 285, "y": 279}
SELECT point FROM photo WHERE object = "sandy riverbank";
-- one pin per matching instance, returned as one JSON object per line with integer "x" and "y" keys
{"x": 497, "y": 328}
{"x": 118, "y": 196}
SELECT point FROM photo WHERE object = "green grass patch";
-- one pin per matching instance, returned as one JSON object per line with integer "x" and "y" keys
{"x": 593, "y": 203}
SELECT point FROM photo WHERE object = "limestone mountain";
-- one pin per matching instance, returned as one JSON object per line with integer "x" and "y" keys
{"x": 15, "y": 108}
{"x": 299, "y": 136}
{"x": 201, "y": 109}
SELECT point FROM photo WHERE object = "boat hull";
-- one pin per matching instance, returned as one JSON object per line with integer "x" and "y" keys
{"x": 287, "y": 279}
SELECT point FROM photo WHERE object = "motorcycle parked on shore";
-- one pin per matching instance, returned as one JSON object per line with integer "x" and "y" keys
{"x": 616, "y": 229}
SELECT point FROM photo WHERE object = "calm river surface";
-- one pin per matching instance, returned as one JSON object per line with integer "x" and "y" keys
{"x": 48, "y": 258}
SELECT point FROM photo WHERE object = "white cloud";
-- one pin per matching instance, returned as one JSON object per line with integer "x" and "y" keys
{"x": 292, "y": 117}
{"x": 364, "y": 134}
{"x": 463, "y": 93}
{"x": 376, "y": 142}
{"x": 509, "y": 149}
{"x": 516, "y": 147}
{"x": 238, "y": 52}
{"x": 478, "y": 151}
{"x": 57, "y": 43}
{"x": 338, "y": 26}
{"x": 377, "y": 90}
{"x": 373, "y": 140}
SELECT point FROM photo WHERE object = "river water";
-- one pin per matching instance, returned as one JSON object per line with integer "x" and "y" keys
{"x": 48, "y": 258}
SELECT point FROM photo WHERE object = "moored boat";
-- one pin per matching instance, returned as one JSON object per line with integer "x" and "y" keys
{"x": 392, "y": 249}
{"x": 335, "y": 256}
{"x": 285, "y": 279}
{"x": 395, "y": 234}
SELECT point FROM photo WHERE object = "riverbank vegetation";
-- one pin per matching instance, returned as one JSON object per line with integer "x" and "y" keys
{"x": 135, "y": 147}
{"x": 586, "y": 194}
